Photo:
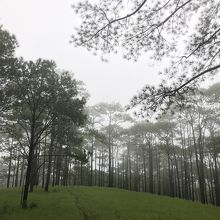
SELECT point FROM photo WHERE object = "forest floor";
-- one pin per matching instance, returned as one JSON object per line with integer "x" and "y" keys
{"x": 94, "y": 203}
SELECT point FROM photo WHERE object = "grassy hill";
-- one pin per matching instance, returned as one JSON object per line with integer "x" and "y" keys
{"x": 93, "y": 203}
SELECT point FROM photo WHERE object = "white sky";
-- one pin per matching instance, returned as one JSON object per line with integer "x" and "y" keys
{"x": 43, "y": 29}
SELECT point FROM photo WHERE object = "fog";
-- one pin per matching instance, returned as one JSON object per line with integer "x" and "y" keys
{"x": 43, "y": 29}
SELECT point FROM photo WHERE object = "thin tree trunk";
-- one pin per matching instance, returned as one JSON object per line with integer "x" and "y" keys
{"x": 46, "y": 188}
{"x": 9, "y": 169}
{"x": 17, "y": 171}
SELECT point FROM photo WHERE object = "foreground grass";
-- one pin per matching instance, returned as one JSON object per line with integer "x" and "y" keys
{"x": 93, "y": 203}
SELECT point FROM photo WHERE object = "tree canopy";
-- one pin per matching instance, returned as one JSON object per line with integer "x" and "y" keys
{"x": 36, "y": 102}
{"x": 186, "y": 31}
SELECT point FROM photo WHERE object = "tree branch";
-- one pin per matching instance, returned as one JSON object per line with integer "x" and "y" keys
{"x": 118, "y": 19}
{"x": 195, "y": 77}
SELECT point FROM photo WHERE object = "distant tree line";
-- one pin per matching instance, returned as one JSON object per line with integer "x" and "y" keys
{"x": 177, "y": 155}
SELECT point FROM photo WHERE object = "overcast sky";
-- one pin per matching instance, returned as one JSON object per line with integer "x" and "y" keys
{"x": 43, "y": 29}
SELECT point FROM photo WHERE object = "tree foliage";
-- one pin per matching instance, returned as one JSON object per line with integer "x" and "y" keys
{"x": 36, "y": 102}
{"x": 186, "y": 31}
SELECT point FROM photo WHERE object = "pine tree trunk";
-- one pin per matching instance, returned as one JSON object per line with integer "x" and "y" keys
{"x": 9, "y": 169}
{"x": 47, "y": 183}
{"x": 17, "y": 171}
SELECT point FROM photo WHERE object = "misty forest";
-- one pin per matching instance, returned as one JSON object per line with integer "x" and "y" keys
{"x": 158, "y": 157}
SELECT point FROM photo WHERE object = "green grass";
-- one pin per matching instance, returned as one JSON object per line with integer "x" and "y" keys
{"x": 93, "y": 203}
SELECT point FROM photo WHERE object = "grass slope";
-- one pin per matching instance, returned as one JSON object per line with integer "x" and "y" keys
{"x": 93, "y": 203}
